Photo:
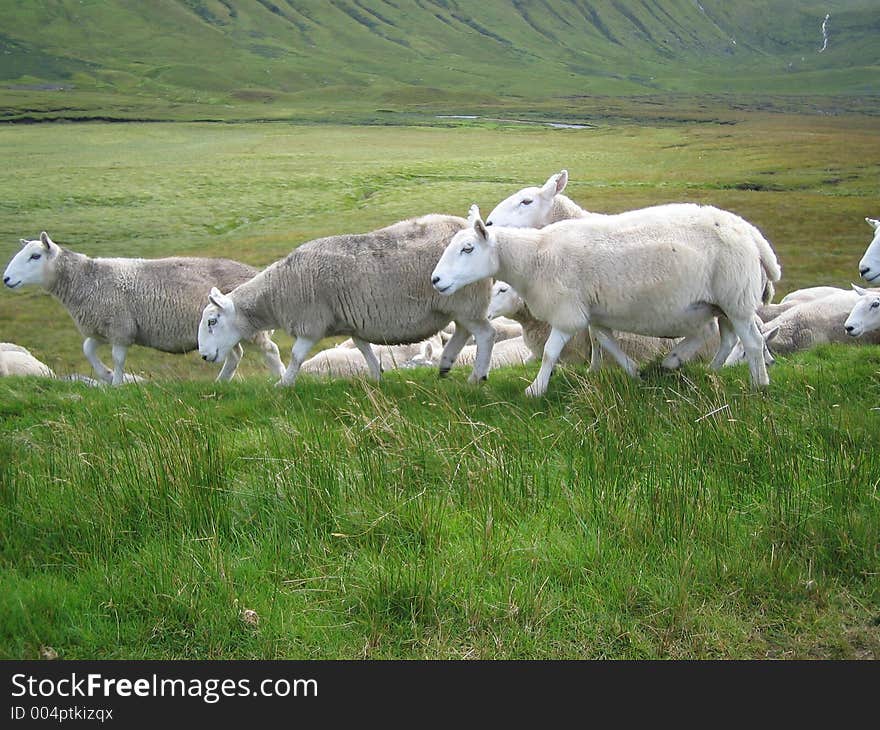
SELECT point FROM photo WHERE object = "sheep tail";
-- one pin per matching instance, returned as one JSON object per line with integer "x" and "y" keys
{"x": 769, "y": 265}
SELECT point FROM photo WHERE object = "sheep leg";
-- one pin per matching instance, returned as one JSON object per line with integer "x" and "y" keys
{"x": 90, "y": 350}
{"x": 452, "y": 348}
{"x": 686, "y": 348}
{"x": 369, "y": 356}
{"x": 230, "y": 365}
{"x": 484, "y": 336}
{"x": 606, "y": 339}
{"x": 298, "y": 354}
{"x": 728, "y": 342}
{"x": 271, "y": 356}
{"x": 595, "y": 353}
{"x": 119, "y": 352}
{"x": 753, "y": 343}
{"x": 552, "y": 350}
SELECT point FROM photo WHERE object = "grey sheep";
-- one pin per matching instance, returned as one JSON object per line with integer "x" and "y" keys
{"x": 130, "y": 301}
{"x": 374, "y": 287}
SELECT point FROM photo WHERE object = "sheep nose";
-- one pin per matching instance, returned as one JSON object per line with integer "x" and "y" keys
{"x": 488, "y": 223}
{"x": 435, "y": 279}
{"x": 6, "y": 280}
{"x": 205, "y": 358}
{"x": 850, "y": 328}
{"x": 863, "y": 270}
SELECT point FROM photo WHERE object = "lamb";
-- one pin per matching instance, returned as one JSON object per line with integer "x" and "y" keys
{"x": 151, "y": 302}
{"x": 768, "y": 312}
{"x": 343, "y": 361}
{"x": 506, "y": 353}
{"x": 17, "y": 360}
{"x": 664, "y": 272}
{"x": 810, "y": 324}
{"x": 864, "y": 317}
{"x": 505, "y": 301}
{"x": 869, "y": 266}
{"x": 374, "y": 287}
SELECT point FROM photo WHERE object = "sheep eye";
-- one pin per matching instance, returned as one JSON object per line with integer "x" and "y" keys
{"x": 467, "y": 249}
{"x": 501, "y": 291}
{"x": 875, "y": 304}
{"x": 527, "y": 201}
{"x": 212, "y": 321}
{"x": 34, "y": 256}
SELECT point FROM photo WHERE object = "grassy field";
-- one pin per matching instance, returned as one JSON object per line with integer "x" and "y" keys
{"x": 679, "y": 517}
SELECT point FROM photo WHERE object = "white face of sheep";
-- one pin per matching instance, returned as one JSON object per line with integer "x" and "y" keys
{"x": 738, "y": 353}
{"x": 505, "y": 301}
{"x": 469, "y": 257}
{"x": 865, "y": 316}
{"x": 218, "y": 331}
{"x": 869, "y": 266}
{"x": 31, "y": 264}
{"x": 530, "y": 207}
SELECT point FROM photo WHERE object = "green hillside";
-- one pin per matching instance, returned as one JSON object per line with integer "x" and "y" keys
{"x": 340, "y": 59}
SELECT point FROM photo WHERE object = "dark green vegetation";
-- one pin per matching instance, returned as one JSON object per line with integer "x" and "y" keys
{"x": 383, "y": 61}
{"x": 681, "y": 517}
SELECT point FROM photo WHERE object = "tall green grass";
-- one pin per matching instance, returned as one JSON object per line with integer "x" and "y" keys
{"x": 680, "y": 516}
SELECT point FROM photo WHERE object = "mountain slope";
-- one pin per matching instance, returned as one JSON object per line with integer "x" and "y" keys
{"x": 268, "y": 57}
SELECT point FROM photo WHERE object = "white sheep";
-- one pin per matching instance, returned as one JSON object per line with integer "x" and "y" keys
{"x": 665, "y": 272}
{"x": 17, "y": 360}
{"x": 536, "y": 207}
{"x": 810, "y": 324}
{"x": 151, "y": 302}
{"x": 374, "y": 287}
{"x": 864, "y": 318}
{"x": 344, "y": 361}
{"x": 506, "y": 353}
{"x": 791, "y": 300}
{"x": 505, "y": 301}
{"x": 869, "y": 266}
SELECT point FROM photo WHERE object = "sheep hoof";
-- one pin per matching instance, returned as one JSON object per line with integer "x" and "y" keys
{"x": 474, "y": 378}
{"x": 443, "y": 372}
{"x": 533, "y": 392}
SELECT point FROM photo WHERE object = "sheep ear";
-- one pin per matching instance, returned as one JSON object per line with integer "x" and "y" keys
{"x": 858, "y": 290}
{"x": 23, "y": 241}
{"x": 873, "y": 222}
{"x": 555, "y": 184}
{"x": 481, "y": 230}
{"x": 47, "y": 242}
{"x": 218, "y": 298}
{"x": 771, "y": 334}
{"x": 427, "y": 350}
{"x": 473, "y": 214}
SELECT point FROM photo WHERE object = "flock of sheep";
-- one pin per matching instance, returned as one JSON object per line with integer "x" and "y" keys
{"x": 539, "y": 278}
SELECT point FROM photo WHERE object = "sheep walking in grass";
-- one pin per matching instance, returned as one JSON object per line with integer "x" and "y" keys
{"x": 663, "y": 273}
{"x": 579, "y": 349}
{"x": 812, "y": 323}
{"x": 869, "y": 266}
{"x": 864, "y": 318}
{"x": 373, "y": 287}
{"x": 17, "y": 360}
{"x": 151, "y": 302}
{"x": 536, "y": 207}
